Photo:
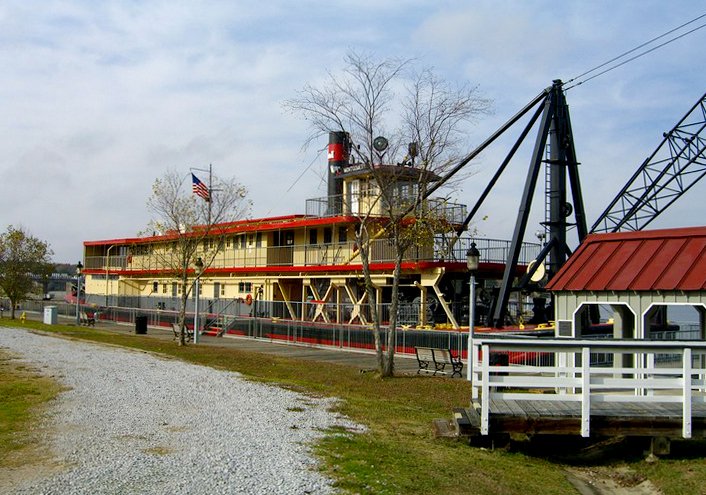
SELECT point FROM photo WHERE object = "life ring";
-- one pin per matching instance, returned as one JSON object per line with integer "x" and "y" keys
{"x": 248, "y": 299}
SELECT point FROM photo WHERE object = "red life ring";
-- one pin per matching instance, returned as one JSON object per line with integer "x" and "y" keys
{"x": 248, "y": 299}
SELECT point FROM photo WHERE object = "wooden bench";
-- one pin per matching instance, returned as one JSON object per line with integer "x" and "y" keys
{"x": 439, "y": 358}
{"x": 87, "y": 320}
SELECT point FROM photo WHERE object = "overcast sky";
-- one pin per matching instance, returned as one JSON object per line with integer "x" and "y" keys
{"x": 100, "y": 98}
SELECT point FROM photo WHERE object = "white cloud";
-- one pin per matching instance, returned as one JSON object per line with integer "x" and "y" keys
{"x": 99, "y": 99}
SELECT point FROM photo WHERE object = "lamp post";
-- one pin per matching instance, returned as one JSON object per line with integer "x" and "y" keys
{"x": 197, "y": 290}
{"x": 107, "y": 273}
{"x": 79, "y": 268}
{"x": 472, "y": 261}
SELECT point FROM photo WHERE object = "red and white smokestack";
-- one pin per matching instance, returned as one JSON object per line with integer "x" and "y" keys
{"x": 338, "y": 158}
{"x": 338, "y": 148}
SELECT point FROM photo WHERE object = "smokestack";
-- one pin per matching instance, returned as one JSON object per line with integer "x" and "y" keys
{"x": 339, "y": 146}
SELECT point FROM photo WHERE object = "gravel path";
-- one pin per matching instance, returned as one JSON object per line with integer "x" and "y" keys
{"x": 136, "y": 423}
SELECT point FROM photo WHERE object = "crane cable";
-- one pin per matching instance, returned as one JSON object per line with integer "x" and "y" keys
{"x": 634, "y": 50}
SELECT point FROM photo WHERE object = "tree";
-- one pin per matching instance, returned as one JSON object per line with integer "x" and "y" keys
{"x": 427, "y": 123}
{"x": 22, "y": 259}
{"x": 193, "y": 228}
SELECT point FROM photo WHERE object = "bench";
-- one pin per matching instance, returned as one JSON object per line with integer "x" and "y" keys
{"x": 439, "y": 358}
{"x": 87, "y": 320}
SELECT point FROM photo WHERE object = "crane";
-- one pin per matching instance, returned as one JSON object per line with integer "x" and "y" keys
{"x": 673, "y": 168}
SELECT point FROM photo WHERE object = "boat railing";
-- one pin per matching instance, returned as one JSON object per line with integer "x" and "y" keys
{"x": 365, "y": 205}
{"x": 306, "y": 255}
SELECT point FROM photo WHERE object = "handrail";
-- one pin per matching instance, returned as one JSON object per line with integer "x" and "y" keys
{"x": 570, "y": 374}
{"x": 492, "y": 251}
{"x": 500, "y": 342}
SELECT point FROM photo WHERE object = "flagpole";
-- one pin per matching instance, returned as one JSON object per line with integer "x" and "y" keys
{"x": 210, "y": 192}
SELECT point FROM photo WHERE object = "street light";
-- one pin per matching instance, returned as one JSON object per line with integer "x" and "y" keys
{"x": 79, "y": 267}
{"x": 472, "y": 261}
{"x": 199, "y": 267}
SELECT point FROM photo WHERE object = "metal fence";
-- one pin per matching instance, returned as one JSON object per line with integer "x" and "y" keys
{"x": 364, "y": 204}
{"x": 268, "y": 320}
{"x": 343, "y": 336}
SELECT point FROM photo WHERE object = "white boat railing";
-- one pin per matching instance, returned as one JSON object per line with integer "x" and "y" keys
{"x": 636, "y": 376}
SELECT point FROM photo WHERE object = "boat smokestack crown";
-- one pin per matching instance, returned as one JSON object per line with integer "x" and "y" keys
{"x": 338, "y": 150}
{"x": 339, "y": 147}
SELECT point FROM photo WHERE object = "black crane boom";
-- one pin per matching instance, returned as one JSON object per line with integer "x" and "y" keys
{"x": 673, "y": 168}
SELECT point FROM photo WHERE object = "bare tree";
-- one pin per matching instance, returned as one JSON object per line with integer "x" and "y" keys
{"x": 436, "y": 114}
{"x": 191, "y": 228}
{"x": 427, "y": 122}
{"x": 22, "y": 257}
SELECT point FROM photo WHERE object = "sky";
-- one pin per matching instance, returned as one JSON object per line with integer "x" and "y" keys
{"x": 99, "y": 99}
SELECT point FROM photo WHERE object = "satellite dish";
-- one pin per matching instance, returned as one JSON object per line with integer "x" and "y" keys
{"x": 538, "y": 273}
{"x": 380, "y": 144}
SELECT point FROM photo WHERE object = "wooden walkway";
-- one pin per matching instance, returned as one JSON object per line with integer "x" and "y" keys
{"x": 556, "y": 417}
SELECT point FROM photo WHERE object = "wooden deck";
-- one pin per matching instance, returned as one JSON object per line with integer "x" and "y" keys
{"x": 538, "y": 417}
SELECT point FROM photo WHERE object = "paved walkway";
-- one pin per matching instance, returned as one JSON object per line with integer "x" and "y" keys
{"x": 365, "y": 361}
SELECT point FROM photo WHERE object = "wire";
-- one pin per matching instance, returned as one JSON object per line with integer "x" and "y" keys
{"x": 634, "y": 50}
{"x": 316, "y": 158}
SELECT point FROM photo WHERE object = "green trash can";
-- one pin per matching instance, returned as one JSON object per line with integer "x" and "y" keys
{"x": 141, "y": 325}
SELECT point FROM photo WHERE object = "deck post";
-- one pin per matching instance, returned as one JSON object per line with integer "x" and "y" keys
{"x": 686, "y": 406}
{"x": 585, "y": 392}
{"x": 473, "y": 366}
{"x": 485, "y": 393}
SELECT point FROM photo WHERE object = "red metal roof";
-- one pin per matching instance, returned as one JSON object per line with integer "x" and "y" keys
{"x": 241, "y": 226}
{"x": 670, "y": 259}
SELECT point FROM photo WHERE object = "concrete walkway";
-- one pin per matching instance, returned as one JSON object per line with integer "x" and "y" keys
{"x": 364, "y": 361}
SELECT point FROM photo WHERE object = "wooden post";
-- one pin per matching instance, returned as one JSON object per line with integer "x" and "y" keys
{"x": 585, "y": 392}
{"x": 686, "y": 406}
{"x": 485, "y": 403}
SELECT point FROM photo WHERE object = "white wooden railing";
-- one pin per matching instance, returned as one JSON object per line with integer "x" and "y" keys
{"x": 639, "y": 374}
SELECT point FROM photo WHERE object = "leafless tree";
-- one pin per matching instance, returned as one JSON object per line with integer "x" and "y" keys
{"x": 427, "y": 122}
{"x": 191, "y": 227}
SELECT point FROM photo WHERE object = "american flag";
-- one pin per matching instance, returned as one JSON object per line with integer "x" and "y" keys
{"x": 199, "y": 188}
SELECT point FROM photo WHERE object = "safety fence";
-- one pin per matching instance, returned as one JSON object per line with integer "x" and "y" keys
{"x": 232, "y": 255}
{"x": 350, "y": 337}
{"x": 635, "y": 380}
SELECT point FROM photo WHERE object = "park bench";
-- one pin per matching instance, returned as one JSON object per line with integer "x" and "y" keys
{"x": 87, "y": 320}
{"x": 439, "y": 359}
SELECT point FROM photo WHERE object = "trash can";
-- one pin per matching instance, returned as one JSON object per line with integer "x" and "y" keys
{"x": 141, "y": 325}
{"x": 50, "y": 315}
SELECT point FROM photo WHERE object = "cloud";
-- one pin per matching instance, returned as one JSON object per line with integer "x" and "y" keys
{"x": 99, "y": 99}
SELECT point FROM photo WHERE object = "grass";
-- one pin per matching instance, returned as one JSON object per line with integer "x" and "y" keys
{"x": 24, "y": 393}
{"x": 398, "y": 454}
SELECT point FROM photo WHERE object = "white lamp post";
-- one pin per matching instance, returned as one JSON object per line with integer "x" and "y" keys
{"x": 79, "y": 268}
{"x": 197, "y": 290}
{"x": 472, "y": 261}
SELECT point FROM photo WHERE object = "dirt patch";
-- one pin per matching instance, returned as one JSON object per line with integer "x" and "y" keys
{"x": 13, "y": 477}
{"x": 610, "y": 481}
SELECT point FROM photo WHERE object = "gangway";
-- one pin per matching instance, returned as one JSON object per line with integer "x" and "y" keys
{"x": 568, "y": 392}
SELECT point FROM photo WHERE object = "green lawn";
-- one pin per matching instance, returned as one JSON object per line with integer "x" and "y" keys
{"x": 399, "y": 453}
{"x": 24, "y": 392}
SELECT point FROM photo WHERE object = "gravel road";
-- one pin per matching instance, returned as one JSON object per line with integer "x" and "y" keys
{"x": 132, "y": 422}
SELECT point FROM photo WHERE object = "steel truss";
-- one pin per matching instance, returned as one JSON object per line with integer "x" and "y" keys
{"x": 673, "y": 168}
